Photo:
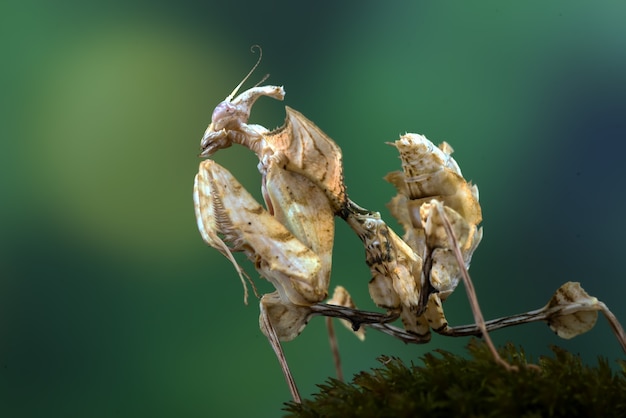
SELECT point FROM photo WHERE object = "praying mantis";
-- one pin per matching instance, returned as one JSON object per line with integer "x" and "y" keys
{"x": 290, "y": 240}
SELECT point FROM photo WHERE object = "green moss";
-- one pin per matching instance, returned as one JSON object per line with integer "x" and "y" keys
{"x": 448, "y": 385}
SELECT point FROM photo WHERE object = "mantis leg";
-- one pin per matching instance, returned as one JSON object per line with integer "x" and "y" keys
{"x": 270, "y": 332}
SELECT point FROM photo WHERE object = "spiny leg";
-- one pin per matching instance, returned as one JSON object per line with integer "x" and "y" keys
{"x": 570, "y": 312}
{"x": 269, "y": 330}
{"x": 617, "y": 328}
{"x": 469, "y": 287}
{"x": 334, "y": 348}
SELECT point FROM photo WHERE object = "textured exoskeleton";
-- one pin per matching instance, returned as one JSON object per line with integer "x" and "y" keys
{"x": 230, "y": 219}
{"x": 298, "y": 146}
{"x": 404, "y": 276}
{"x": 431, "y": 174}
{"x": 290, "y": 243}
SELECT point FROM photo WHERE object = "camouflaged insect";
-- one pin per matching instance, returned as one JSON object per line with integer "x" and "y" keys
{"x": 302, "y": 186}
{"x": 430, "y": 172}
{"x": 290, "y": 241}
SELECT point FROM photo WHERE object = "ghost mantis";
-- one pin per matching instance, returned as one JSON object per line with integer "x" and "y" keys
{"x": 290, "y": 241}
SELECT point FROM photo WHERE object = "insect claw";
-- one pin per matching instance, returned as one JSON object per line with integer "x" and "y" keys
{"x": 204, "y": 206}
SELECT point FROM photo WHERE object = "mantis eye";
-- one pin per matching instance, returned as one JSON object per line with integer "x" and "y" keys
{"x": 222, "y": 111}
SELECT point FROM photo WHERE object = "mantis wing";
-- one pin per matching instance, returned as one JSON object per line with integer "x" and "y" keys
{"x": 305, "y": 149}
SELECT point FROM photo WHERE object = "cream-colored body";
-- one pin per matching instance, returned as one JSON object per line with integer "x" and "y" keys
{"x": 290, "y": 241}
{"x": 227, "y": 212}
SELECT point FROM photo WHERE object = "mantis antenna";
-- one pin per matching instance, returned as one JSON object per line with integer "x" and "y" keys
{"x": 252, "y": 48}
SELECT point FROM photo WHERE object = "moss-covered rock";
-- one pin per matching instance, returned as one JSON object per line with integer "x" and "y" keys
{"x": 448, "y": 385}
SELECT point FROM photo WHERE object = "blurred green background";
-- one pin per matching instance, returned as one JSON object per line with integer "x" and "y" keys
{"x": 110, "y": 303}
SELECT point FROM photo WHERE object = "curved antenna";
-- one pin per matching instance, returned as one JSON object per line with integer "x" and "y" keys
{"x": 265, "y": 77}
{"x": 252, "y": 48}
